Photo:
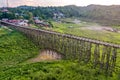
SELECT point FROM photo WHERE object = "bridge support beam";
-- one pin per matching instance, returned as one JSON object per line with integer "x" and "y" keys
{"x": 101, "y": 54}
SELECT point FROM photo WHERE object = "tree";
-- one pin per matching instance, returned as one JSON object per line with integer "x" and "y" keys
{"x": 9, "y": 15}
{"x": 50, "y": 23}
{"x": 29, "y": 16}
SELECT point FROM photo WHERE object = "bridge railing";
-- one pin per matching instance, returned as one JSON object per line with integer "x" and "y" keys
{"x": 100, "y": 54}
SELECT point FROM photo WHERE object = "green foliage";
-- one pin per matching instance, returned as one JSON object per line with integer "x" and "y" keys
{"x": 3, "y": 31}
{"x": 7, "y": 15}
{"x": 15, "y": 48}
{"x": 106, "y": 15}
{"x": 76, "y": 29}
{"x": 60, "y": 70}
{"x": 50, "y": 23}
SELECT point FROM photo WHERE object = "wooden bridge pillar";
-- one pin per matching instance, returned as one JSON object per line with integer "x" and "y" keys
{"x": 101, "y": 54}
{"x": 96, "y": 55}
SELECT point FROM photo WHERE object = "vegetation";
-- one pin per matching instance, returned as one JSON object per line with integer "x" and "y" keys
{"x": 106, "y": 15}
{"x": 15, "y": 50}
{"x": 81, "y": 30}
{"x": 57, "y": 70}
{"x": 3, "y": 31}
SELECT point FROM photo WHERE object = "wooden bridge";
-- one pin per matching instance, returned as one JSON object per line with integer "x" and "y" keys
{"x": 100, "y": 54}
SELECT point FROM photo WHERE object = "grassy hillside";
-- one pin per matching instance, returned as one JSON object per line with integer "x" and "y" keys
{"x": 3, "y": 31}
{"x": 16, "y": 49}
{"x": 80, "y": 29}
{"x": 106, "y": 15}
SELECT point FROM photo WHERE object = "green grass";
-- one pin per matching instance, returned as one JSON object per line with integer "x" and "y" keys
{"x": 16, "y": 49}
{"x": 4, "y": 31}
{"x": 107, "y": 36}
{"x": 57, "y": 70}
{"x": 75, "y": 29}
{"x": 116, "y": 27}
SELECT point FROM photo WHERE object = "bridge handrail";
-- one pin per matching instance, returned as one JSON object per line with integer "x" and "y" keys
{"x": 68, "y": 36}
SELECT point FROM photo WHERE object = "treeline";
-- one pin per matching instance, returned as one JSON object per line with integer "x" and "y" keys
{"x": 107, "y": 15}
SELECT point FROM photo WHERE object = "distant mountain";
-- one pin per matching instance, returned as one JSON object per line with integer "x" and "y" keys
{"x": 26, "y": 7}
{"x": 106, "y": 15}
{"x": 101, "y": 14}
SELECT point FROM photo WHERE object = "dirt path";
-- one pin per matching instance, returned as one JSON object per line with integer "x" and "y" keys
{"x": 99, "y": 28}
{"x": 46, "y": 55}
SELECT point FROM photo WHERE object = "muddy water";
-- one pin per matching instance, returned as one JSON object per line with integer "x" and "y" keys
{"x": 46, "y": 55}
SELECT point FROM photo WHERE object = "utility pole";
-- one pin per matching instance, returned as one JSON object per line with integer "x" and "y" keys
{"x": 5, "y": 9}
{"x": 7, "y": 3}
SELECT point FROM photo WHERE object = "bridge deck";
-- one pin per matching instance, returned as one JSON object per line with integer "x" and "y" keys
{"x": 70, "y": 36}
{"x": 100, "y": 53}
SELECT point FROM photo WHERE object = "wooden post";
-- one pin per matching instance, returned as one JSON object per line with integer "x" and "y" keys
{"x": 72, "y": 46}
{"x": 113, "y": 59}
{"x": 96, "y": 55}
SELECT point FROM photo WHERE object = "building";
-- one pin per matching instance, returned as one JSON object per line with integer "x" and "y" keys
{"x": 23, "y": 24}
{"x": 42, "y": 23}
{"x": 17, "y": 22}
{"x": 5, "y": 19}
{"x": 58, "y": 15}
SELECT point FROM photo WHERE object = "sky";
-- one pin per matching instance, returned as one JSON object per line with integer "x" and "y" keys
{"x": 14, "y": 3}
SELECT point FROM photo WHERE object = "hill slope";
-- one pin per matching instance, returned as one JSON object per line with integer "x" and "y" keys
{"x": 107, "y": 15}
{"x": 16, "y": 49}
